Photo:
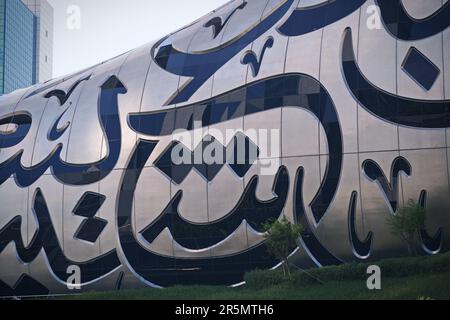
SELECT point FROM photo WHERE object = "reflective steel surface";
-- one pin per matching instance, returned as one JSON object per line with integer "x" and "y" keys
{"x": 346, "y": 130}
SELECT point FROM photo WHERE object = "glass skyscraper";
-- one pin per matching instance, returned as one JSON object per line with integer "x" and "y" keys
{"x": 23, "y": 61}
{"x": 44, "y": 38}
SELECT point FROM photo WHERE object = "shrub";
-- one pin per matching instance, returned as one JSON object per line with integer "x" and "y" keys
{"x": 390, "y": 268}
{"x": 407, "y": 223}
{"x": 282, "y": 239}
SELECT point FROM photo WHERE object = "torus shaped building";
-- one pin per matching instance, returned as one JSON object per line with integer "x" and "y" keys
{"x": 354, "y": 97}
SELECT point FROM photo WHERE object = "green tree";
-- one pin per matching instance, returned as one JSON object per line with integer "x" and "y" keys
{"x": 407, "y": 223}
{"x": 282, "y": 238}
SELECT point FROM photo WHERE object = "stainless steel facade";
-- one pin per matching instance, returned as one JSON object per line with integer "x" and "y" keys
{"x": 356, "y": 89}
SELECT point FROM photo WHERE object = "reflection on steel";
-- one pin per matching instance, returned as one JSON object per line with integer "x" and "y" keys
{"x": 87, "y": 178}
{"x": 361, "y": 248}
{"x": 318, "y": 253}
{"x": 431, "y": 245}
{"x": 217, "y": 24}
{"x": 401, "y": 110}
{"x": 390, "y": 188}
{"x": 45, "y": 238}
{"x": 70, "y": 173}
{"x": 55, "y": 132}
{"x": 255, "y": 61}
{"x": 403, "y": 26}
{"x": 200, "y": 236}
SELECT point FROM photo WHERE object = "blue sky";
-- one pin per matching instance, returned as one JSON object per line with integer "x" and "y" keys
{"x": 106, "y": 28}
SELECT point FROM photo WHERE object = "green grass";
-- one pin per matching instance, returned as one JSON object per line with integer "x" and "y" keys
{"x": 411, "y": 288}
{"x": 418, "y": 278}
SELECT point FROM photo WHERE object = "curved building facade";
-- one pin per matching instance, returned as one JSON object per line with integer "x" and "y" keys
{"x": 333, "y": 114}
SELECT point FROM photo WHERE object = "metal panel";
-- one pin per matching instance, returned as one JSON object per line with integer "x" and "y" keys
{"x": 264, "y": 129}
{"x": 234, "y": 74}
{"x": 269, "y": 49}
{"x": 431, "y": 48}
{"x": 310, "y": 3}
{"x": 376, "y": 207}
{"x": 244, "y": 20}
{"x": 331, "y": 78}
{"x": 86, "y": 134}
{"x": 39, "y": 269}
{"x": 235, "y": 244}
{"x": 446, "y": 59}
{"x": 312, "y": 179}
{"x": 160, "y": 87}
{"x": 224, "y": 193}
{"x": 14, "y": 203}
{"x": 333, "y": 231}
{"x": 420, "y": 9}
{"x": 303, "y": 54}
{"x": 302, "y": 125}
{"x": 85, "y": 146}
{"x": 163, "y": 244}
{"x": 413, "y": 138}
{"x": 53, "y": 193}
{"x": 381, "y": 70}
{"x": 428, "y": 167}
{"x": 203, "y": 93}
{"x": 12, "y": 269}
{"x": 194, "y": 204}
{"x": 27, "y": 106}
{"x": 376, "y": 134}
{"x": 133, "y": 74}
{"x": 206, "y": 38}
{"x": 311, "y": 183}
{"x": 8, "y": 103}
{"x": 74, "y": 248}
{"x": 225, "y": 190}
{"x": 109, "y": 188}
{"x": 151, "y": 198}
{"x": 264, "y": 189}
{"x": 57, "y": 117}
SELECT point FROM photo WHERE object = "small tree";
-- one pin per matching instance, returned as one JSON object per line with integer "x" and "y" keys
{"x": 407, "y": 223}
{"x": 282, "y": 238}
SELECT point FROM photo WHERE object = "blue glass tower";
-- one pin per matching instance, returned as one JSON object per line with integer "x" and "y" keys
{"x": 17, "y": 46}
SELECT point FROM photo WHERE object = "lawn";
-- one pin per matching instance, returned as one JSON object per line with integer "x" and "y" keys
{"x": 411, "y": 288}
{"x": 407, "y": 278}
